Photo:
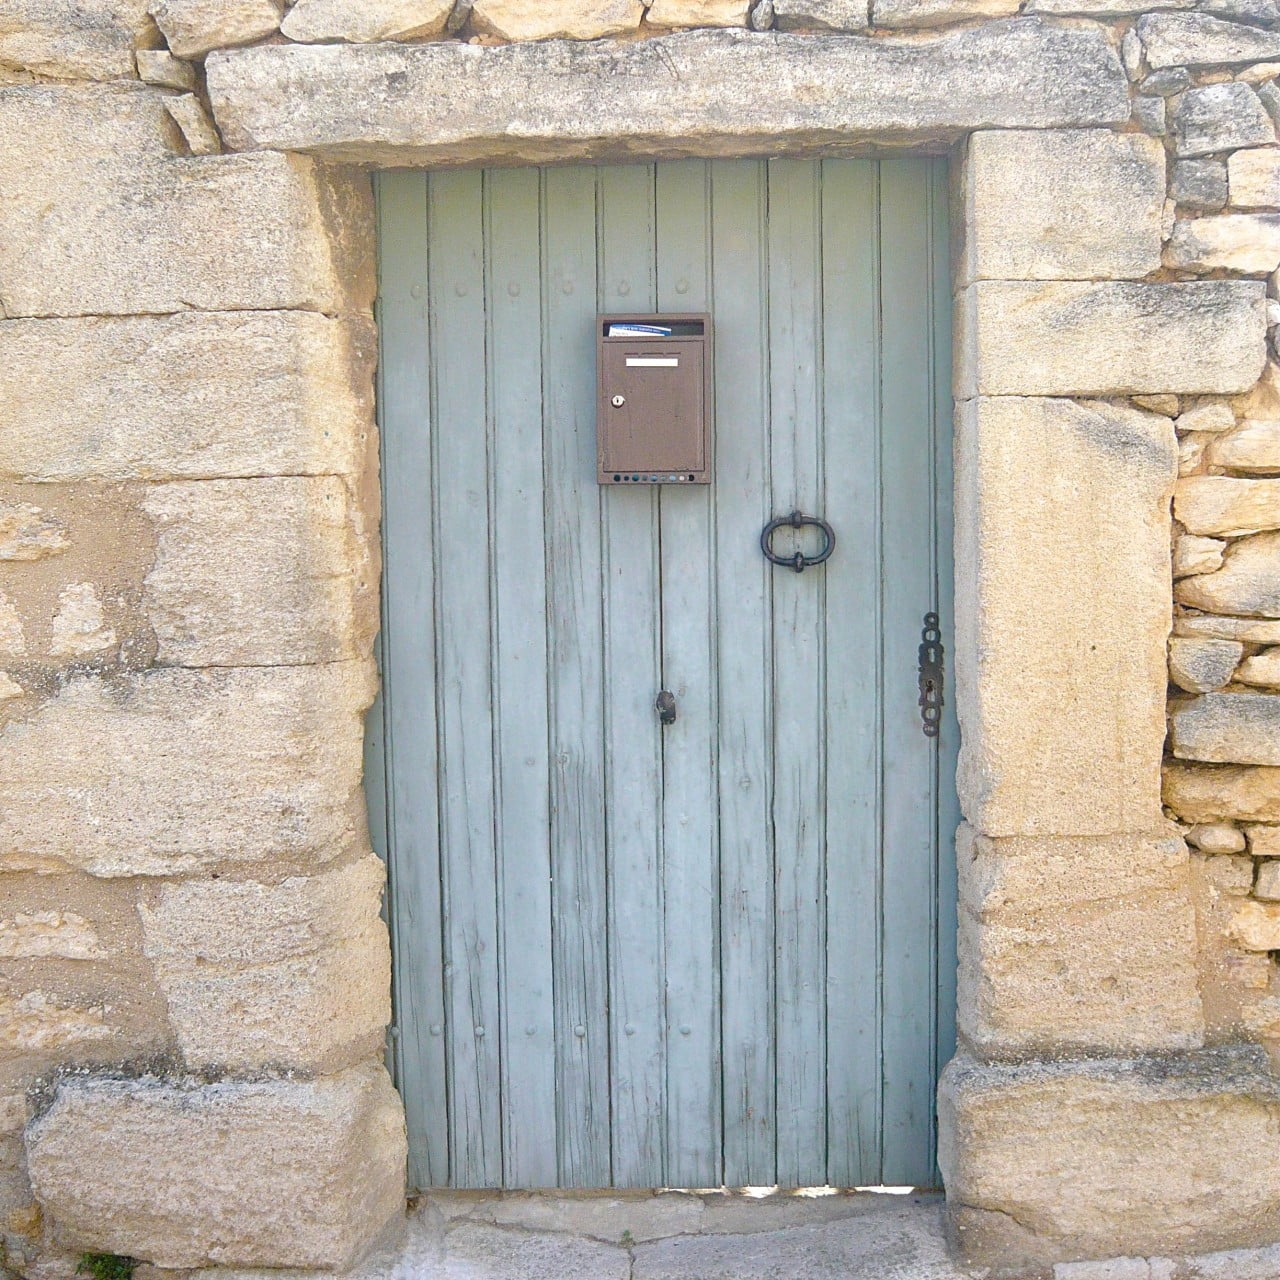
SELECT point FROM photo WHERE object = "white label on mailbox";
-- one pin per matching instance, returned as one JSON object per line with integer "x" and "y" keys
{"x": 653, "y": 362}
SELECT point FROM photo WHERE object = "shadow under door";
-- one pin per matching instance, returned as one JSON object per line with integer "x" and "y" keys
{"x": 718, "y": 951}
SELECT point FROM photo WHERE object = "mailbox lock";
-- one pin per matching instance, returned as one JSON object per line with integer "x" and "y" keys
{"x": 618, "y": 401}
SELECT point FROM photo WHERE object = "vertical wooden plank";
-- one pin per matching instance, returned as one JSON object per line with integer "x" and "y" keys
{"x": 850, "y": 294}
{"x": 795, "y": 344}
{"x": 409, "y": 686}
{"x": 632, "y": 746}
{"x": 467, "y": 793}
{"x": 743, "y": 646}
{"x": 514, "y": 309}
{"x": 947, "y": 745}
{"x": 689, "y": 822}
{"x": 576, "y": 677}
{"x": 907, "y": 595}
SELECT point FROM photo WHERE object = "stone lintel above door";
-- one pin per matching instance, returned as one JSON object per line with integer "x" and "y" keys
{"x": 703, "y": 93}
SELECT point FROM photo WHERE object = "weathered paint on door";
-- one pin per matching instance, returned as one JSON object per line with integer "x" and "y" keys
{"x": 719, "y": 952}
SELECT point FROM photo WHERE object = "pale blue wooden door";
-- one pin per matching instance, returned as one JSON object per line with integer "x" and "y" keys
{"x": 720, "y": 952}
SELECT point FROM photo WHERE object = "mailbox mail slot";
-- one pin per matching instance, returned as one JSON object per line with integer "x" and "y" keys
{"x": 653, "y": 416}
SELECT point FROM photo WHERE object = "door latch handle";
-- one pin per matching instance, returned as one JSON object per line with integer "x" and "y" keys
{"x": 665, "y": 705}
{"x": 932, "y": 675}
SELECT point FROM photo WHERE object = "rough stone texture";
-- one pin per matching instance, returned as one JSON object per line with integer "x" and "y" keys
{"x": 1062, "y": 613}
{"x": 188, "y": 113}
{"x": 1021, "y": 338}
{"x": 1221, "y": 117}
{"x": 1264, "y": 842}
{"x": 1254, "y": 177}
{"x": 1263, "y": 669}
{"x": 1070, "y": 945}
{"x": 1247, "y": 583}
{"x": 29, "y": 533}
{"x": 1247, "y": 242}
{"x": 1204, "y": 793}
{"x": 576, "y": 20}
{"x": 1198, "y": 40}
{"x": 1253, "y": 446}
{"x": 233, "y": 1174}
{"x": 168, "y": 771}
{"x": 72, "y": 39}
{"x": 1067, "y": 1160}
{"x": 1193, "y": 554}
{"x": 1062, "y": 204}
{"x": 820, "y": 15}
{"x": 1204, "y": 418}
{"x": 222, "y": 394}
{"x": 160, "y": 67}
{"x": 1217, "y": 837}
{"x": 295, "y": 975}
{"x": 932, "y": 13}
{"x": 1256, "y": 926}
{"x": 370, "y": 20}
{"x": 1150, "y": 115}
{"x": 1199, "y": 666}
{"x": 1227, "y": 728}
{"x": 1267, "y": 885}
{"x": 1166, "y": 83}
{"x": 272, "y": 570}
{"x": 193, "y": 27}
{"x": 1199, "y": 184}
{"x": 737, "y": 90}
{"x": 697, "y": 13}
{"x": 97, "y": 216}
{"x": 79, "y": 627}
{"x": 1226, "y": 506}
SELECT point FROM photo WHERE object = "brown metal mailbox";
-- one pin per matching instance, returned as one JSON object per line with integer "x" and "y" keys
{"x": 653, "y": 413}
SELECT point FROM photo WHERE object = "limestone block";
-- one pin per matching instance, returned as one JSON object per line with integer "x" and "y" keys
{"x": 697, "y": 13}
{"x": 1201, "y": 40}
{"x": 1264, "y": 842}
{"x": 79, "y": 627}
{"x": 1248, "y": 582}
{"x": 1227, "y": 728}
{"x": 1049, "y": 1162}
{"x": 1263, "y": 669}
{"x": 1248, "y": 242}
{"x": 160, "y": 67}
{"x": 281, "y": 1173}
{"x": 267, "y": 570}
{"x": 1217, "y": 837}
{"x": 220, "y": 394}
{"x": 1250, "y": 630}
{"x": 1254, "y": 178}
{"x": 167, "y": 772}
{"x": 9, "y": 688}
{"x": 1191, "y": 447}
{"x": 97, "y": 216}
{"x": 1226, "y": 506}
{"x": 821, "y": 15}
{"x": 1062, "y": 577}
{"x": 194, "y": 27}
{"x": 1061, "y": 204}
{"x": 188, "y": 113}
{"x": 1069, "y": 945}
{"x": 1109, "y": 338}
{"x": 1256, "y": 926}
{"x": 935, "y": 13}
{"x": 705, "y": 92}
{"x": 572, "y": 19}
{"x": 1253, "y": 446}
{"x": 294, "y": 975}
{"x": 1167, "y": 82}
{"x": 1199, "y": 666}
{"x": 1202, "y": 793}
{"x": 1199, "y": 184}
{"x": 1151, "y": 116}
{"x": 12, "y": 634}
{"x": 1206, "y": 418}
{"x": 72, "y": 39}
{"x": 1221, "y": 117}
{"x": 1193, "y": 554}
{"x": 37, "y": 1022}
{"x": 1267, "y": 886}
{"x": 1232, "y": 876}
{"x": 29, "y": 533}
{"x": 371, "y": 20}
{"x": 28, "y": 935}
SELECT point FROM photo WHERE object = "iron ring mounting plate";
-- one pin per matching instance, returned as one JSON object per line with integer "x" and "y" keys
{"x": 798, "y": 561}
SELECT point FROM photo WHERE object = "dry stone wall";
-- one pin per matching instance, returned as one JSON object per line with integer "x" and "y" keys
{"x": 193, "y": 973}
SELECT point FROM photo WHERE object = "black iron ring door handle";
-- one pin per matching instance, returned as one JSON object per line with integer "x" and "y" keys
{"x": 799, "y": 562}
